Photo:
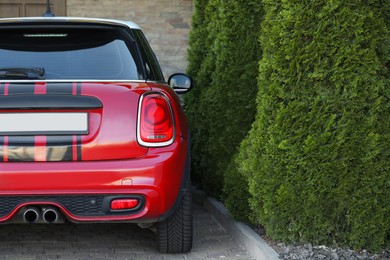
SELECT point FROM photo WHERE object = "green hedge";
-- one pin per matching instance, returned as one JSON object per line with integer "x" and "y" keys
{"x": 317, "y": 157}
{"x": 225, "y": 107}
{"x": 236, "y": 193}
{"x": 230, "y": 99}
{"x": 201, "y": 60}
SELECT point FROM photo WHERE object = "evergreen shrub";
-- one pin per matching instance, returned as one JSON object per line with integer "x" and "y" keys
{"x": 317, "y": 157}
{"x": 236, "y": 193}
{"x": 230, "y": 99}
{"x": 225, "y": 108}
{"x": 201, "y": 63}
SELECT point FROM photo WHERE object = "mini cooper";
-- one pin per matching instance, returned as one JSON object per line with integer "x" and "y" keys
{"x": 89, "y": 129}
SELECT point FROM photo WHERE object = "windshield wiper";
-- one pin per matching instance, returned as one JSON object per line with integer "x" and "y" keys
{"x": 22, "y": 73}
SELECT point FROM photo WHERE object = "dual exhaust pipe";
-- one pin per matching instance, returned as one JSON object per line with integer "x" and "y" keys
{"x": 33, "y": 215}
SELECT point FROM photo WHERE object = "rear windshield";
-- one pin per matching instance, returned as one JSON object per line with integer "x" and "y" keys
{"x": 71, "y": 53}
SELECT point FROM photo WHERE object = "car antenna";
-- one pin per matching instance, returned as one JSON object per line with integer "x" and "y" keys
{"x": 48, "y": 10}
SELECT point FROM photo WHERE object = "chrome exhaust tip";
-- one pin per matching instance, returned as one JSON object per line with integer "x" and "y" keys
{"x": 50, "y": 215}
{"x": 31, "y": 215}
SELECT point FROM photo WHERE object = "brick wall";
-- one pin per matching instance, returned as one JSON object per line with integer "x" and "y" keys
{"x": 166, "y": 24}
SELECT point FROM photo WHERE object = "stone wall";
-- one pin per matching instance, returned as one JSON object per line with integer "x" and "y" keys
{"x": 166, "y": 24}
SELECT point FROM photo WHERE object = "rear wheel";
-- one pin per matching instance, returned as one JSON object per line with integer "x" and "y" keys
{"x": 174, "y": 235}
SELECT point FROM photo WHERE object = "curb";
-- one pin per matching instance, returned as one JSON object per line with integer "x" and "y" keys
{"x": 253, "y": 243}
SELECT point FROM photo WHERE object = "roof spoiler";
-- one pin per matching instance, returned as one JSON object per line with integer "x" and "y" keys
{"x": 48, "y": 10}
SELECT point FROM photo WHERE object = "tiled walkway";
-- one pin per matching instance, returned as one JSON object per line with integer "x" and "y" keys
{"x": 113, "y": 241}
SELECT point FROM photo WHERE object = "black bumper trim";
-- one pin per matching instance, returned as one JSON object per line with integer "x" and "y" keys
{"x": 78, "y": 205}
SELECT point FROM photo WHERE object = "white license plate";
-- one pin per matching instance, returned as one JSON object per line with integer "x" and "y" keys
{"x": 43, "y": 123}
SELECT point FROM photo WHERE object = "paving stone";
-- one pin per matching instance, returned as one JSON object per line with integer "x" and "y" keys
{"x": 114, "y": 241}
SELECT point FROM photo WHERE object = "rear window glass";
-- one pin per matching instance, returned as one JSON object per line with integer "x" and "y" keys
{"x": 73, "y": 53}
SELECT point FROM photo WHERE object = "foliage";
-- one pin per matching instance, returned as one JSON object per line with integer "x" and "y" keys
{"x": 236, "y": 193}
{"x": 226, "y": 78}
{"x": 201, "y": 59}
{"x": 317, "y": 157}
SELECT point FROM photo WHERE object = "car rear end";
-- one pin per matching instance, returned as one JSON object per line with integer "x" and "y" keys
{"x": 90, "y": 131}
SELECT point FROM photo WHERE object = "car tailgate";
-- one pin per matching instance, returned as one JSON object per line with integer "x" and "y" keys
{"x": 73, "y": 121}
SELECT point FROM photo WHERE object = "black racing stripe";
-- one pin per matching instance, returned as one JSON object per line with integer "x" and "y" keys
{"x": 2, "y": 88}
{"x": 21, "y": 148}
{"x": 78, "y": 89}
{"x": 59, "y": 88}
{"x": 2, "y": 148}
{"x": 78, "y": 142}
{"x": 78, "y": 138}
{"x": 21, "y": 141}
{"x": 56, "y": 140}
{"x": 59, "y": 148}
{"x": 20, "y": 88}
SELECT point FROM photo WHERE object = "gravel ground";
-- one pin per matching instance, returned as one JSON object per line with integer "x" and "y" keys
{"x": 318, "y": 252}
{"x": 309, "y": 251}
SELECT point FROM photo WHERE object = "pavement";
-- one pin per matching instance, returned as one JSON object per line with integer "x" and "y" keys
{"x": 212, "y": 240}
{"x": 255, "y": 246}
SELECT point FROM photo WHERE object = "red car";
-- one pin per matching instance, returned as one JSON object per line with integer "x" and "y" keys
{"x": 89, "y": 129}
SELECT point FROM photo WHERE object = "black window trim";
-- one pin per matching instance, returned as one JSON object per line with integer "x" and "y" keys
{"x": 162, "y": 79}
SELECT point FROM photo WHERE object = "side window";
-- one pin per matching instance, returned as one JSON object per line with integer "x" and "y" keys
{"x": 151, "y": 65}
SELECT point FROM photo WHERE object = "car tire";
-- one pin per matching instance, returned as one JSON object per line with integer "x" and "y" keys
{"x": 174, "y": 235}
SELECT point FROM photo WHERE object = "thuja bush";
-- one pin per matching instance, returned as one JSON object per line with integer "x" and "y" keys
{"x": 197, "y": 43}
{"x": 236, "y": 193}
{"x": 201, "y": 60}
{"x": 317, "y": 157}
{"x": 229, "y": 101}
{"x": 224, "y": 67}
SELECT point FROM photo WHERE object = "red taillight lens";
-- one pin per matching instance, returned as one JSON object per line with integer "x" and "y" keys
{"x": 124, "y": 204}
{"x": 156, "y": 120}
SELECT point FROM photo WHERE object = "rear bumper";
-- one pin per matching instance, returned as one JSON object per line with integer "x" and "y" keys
{"x": 156, "y": 178}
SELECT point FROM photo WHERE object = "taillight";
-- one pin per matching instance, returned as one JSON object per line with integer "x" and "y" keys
{"x": 155, "y": 121}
